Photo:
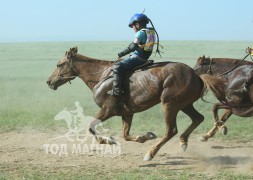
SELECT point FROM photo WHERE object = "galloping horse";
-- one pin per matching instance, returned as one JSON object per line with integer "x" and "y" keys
{"x": 175, "y": 85}
{"x": 236, "y": 72}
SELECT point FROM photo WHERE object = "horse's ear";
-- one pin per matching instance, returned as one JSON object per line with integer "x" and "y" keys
{"x": 72, "y": 52}
{"x": 201, "y": 59}
{"x": 76, "y": 49}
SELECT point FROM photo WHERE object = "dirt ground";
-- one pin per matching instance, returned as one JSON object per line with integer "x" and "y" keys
{"x": 32, "y": 150}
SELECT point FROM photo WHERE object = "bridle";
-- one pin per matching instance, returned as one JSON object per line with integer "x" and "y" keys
{"x": 209, "y": 71}
{"x": 73, "y": 68}
{"x": 238, "y": 64}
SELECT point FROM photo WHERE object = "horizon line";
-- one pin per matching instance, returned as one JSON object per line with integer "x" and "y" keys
{"x": 62, "y": 41}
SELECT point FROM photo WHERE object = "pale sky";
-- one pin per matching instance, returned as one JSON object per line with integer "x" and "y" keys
{"x": 107, "y": 20}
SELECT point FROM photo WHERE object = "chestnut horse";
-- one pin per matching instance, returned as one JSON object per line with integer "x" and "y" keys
{"x": 175, "y": 85}
{"x": 236, "y": 72}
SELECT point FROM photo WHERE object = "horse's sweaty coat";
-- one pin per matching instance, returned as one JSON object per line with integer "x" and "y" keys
{"x": 174, "y": 85}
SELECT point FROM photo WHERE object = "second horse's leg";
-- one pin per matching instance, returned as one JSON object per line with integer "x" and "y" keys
{"x": 217, "y": 123}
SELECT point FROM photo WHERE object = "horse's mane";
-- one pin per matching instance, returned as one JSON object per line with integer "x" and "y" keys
{"x": 223, "y": 60}
{"x": 230, "y": 60}
{"x": 72, "y": 54}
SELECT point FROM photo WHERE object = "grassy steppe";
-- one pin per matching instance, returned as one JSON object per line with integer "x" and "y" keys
{"x": 27, "y": 102}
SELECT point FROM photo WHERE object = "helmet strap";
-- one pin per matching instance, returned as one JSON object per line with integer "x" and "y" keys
{"x": 139, "y": 26}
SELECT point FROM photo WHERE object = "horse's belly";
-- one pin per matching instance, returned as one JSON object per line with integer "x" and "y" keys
{"x": 145, "y": 90}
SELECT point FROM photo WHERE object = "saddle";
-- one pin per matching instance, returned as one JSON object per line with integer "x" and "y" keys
{"x": 147, "y": 63}
{"x": 125, "y": 76}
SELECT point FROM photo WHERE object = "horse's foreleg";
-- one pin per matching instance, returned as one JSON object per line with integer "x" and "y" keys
{"x": 103, "y": 115}
{"x": 196, "y": 118}
{"x": 170, "y": 113}
{"x": 126, "y": 122}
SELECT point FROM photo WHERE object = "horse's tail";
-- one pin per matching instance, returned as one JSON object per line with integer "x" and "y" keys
{"x": 216, "y": 84}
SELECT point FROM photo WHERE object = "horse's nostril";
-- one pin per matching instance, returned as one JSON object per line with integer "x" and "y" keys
{"x": 48, "y": 82}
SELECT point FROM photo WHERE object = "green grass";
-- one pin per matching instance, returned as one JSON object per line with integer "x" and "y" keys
{"x": 26, "y": 101}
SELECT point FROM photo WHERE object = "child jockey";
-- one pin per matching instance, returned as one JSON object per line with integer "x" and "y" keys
{"x": 142, "y": 48}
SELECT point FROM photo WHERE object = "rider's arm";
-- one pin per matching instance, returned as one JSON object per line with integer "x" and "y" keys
{"x": 131, "y": 48}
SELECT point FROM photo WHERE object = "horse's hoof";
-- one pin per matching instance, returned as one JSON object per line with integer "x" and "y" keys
{"x": 147, "y": 157}
{"x": 111, "y": 141}
{"x": 184, "y": 146}
{"x": 224, "y": 130}
{"x": 150, "y": 135}
{"x": 140, "y": 139}
{"x": 203, "y": 139}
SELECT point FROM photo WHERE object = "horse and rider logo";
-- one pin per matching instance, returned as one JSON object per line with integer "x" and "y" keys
{"x": 78, "y": 124}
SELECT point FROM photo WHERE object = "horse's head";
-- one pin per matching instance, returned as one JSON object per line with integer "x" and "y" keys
{"x": 65, "y": 71}
{"x": 203, "y": 65}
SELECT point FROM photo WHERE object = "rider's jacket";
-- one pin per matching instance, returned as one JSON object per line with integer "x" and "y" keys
{"x": 147, "y": 41}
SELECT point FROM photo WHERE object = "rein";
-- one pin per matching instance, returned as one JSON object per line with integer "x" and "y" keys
{"x": 209, "y": 71}
{"x": 239, "y": 63}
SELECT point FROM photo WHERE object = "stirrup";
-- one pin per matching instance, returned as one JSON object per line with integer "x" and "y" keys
{"x": 115, "y": 93}
{"x": 241, "y": 90}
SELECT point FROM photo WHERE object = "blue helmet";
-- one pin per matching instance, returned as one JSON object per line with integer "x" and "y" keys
{"x": 138, "y": 18}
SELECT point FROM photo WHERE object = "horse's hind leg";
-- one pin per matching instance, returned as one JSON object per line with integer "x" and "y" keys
{"x": 224, "y": 118}
{"x": 217, "y": 123}
{"x": 127, "y": 121}
{"x": 196, "y": 118}
{"x": 170, "y": 113}
{"x": 217, "y": 126}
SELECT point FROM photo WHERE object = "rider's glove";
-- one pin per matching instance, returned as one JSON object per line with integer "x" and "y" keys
{"x": 131, "y": 48}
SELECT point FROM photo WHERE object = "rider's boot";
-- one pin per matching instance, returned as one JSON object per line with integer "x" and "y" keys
{"x": 116, "y": 86}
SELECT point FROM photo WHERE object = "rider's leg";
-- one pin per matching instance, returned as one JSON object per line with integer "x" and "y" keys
{"x": 246, "y": 85}
{"x": 249, "y": 82}
{"x": 117, "y": 84}
{"x": 121, "y": 67}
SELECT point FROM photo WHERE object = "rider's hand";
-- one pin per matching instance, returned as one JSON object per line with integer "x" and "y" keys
{"x": 251, "y": 51}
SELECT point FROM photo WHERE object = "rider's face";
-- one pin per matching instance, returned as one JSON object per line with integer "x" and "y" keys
{"x": 136, "y": 27}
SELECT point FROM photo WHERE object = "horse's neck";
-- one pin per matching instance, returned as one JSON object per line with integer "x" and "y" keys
{"x": 92, "y": 70}
{"x": 222, "y": 65}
